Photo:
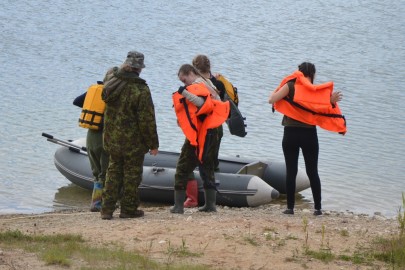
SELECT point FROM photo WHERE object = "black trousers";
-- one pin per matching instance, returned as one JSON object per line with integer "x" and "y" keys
{"x": 307, "y": 139}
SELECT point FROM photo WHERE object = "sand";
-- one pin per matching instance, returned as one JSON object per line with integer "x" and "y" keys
{"x": 232, "y": 238}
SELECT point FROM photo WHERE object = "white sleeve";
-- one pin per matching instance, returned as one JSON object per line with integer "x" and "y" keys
{"x": 196, "y": 100}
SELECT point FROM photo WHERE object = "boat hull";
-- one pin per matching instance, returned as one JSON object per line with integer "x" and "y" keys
{"x": 236, "y": 190}
{"x": 273, "y": 173}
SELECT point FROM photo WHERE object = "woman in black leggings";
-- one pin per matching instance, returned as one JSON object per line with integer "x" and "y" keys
{"x": 300, "y": 134}
{"x": 305, "y": 138}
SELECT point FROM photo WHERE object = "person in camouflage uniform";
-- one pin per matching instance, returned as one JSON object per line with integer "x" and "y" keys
{"x": 129, "y": 133}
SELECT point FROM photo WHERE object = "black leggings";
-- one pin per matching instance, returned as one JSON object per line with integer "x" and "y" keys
{"x": 307, "y": 139}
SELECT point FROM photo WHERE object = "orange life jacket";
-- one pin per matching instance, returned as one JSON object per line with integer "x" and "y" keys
{"x": 311, "y": 104}
{"x": 195, "y": 121}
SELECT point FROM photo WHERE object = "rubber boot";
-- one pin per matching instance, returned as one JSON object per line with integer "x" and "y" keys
{"x": 192, "y": 194}
{"x": 179, "y": 197}
{"x": 96, "y": 197}
{"x": 210, "y": 196}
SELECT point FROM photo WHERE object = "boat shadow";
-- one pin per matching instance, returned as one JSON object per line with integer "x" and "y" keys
{"x": 74, "y": 197}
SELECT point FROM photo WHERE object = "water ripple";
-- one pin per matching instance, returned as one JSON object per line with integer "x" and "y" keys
{"x": 51, "y": 53}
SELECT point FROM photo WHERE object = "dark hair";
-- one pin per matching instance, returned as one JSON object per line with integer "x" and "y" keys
{"x": 202, "y": 63}
{"x": 186, "y": 69}
{"x": 308, "y": 69}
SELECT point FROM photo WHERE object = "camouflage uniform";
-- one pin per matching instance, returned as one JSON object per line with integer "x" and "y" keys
{"x": 188, "y": 161}
{"x": 129, "y": 133}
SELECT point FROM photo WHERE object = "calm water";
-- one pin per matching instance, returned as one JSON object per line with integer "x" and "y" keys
{"x": 51, "y": 51}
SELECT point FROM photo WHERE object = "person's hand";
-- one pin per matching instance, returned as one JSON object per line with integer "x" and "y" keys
{"x": 153, "y": 152}
{"x": 181, "y": 89}
{"x": 336, "y": 97}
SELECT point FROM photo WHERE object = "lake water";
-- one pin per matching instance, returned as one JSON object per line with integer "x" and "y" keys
{"x": 51, "y": 51}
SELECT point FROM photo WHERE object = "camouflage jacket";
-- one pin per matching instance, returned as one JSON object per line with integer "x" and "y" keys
{"x": 129, "y": 118}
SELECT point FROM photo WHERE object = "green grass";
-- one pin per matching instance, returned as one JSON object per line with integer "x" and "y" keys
{"x": 54, "y": 250}
{"x": 322, "y": 255}
{"x": 65, "y": 249}
{"x": 251, "y": 241}
{"x": 182, "y": 251}
{"x": 344, "y": 233}
{"x": 401, "y": 217}
{"x": 357, "y": 258}
{"x": 388, "y": 250}
{"x": 392, "y": 250}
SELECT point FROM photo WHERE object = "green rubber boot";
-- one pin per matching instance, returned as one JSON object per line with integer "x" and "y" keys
{"x": 210, "y": 196}
{"x": 179, "y": 197}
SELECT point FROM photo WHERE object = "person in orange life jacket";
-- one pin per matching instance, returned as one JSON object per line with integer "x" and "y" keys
{"x": 298, "y": 135}
{"x": 217, "y": 89}
{"x": 98, "y": 158}
{"x": 199, "y": 116}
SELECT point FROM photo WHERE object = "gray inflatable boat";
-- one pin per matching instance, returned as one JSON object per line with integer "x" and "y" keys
{"x": 241, "y": 182}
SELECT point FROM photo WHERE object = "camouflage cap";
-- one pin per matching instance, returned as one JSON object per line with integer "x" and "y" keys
{"x": 135, "y": 59}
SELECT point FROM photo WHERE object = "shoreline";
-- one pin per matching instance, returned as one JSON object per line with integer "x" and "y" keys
{"x": 301, "y": 205}
{"x": 75, "y": 198}
{"x": 232, "y": 238}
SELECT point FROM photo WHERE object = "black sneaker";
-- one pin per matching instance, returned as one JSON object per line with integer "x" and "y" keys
{"x": 317, "y": 212}
{"x": 288, "y": 212}
{"x": 106, "y": 216}
{"x": 95, "y": 209}
{"x": 136, "y": 214}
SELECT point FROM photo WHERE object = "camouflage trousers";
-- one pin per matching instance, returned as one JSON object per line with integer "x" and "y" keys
{"x": 124, "y": 175}
{"x": 188, "y": 161}
{"x": 98, "y": 157}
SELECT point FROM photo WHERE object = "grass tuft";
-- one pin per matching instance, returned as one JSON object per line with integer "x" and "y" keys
{"x": 66, "y": 250}
{"x": 251, "y": 241}
{"x": 401, "y": 216}
{"x": 392, "y": 250}
{"x": 322, "y": 255}
{"x": 182, "y": 250}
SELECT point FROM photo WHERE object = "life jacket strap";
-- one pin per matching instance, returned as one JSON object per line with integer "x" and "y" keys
{"x": 332, "y": 115}
{"x": 183, "y": 101}
{"x": 91, "y": 121}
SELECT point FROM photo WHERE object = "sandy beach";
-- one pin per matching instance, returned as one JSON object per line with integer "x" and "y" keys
{"x": 232, "y": 238}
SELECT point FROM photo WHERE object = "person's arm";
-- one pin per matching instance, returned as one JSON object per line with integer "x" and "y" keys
{"x": 280, "y": 94}
{"x": 196, "y": 100}
{"x": 147, "y": 120}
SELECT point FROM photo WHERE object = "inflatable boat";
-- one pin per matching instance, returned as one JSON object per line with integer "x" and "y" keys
{"x": 240, "y": 182}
